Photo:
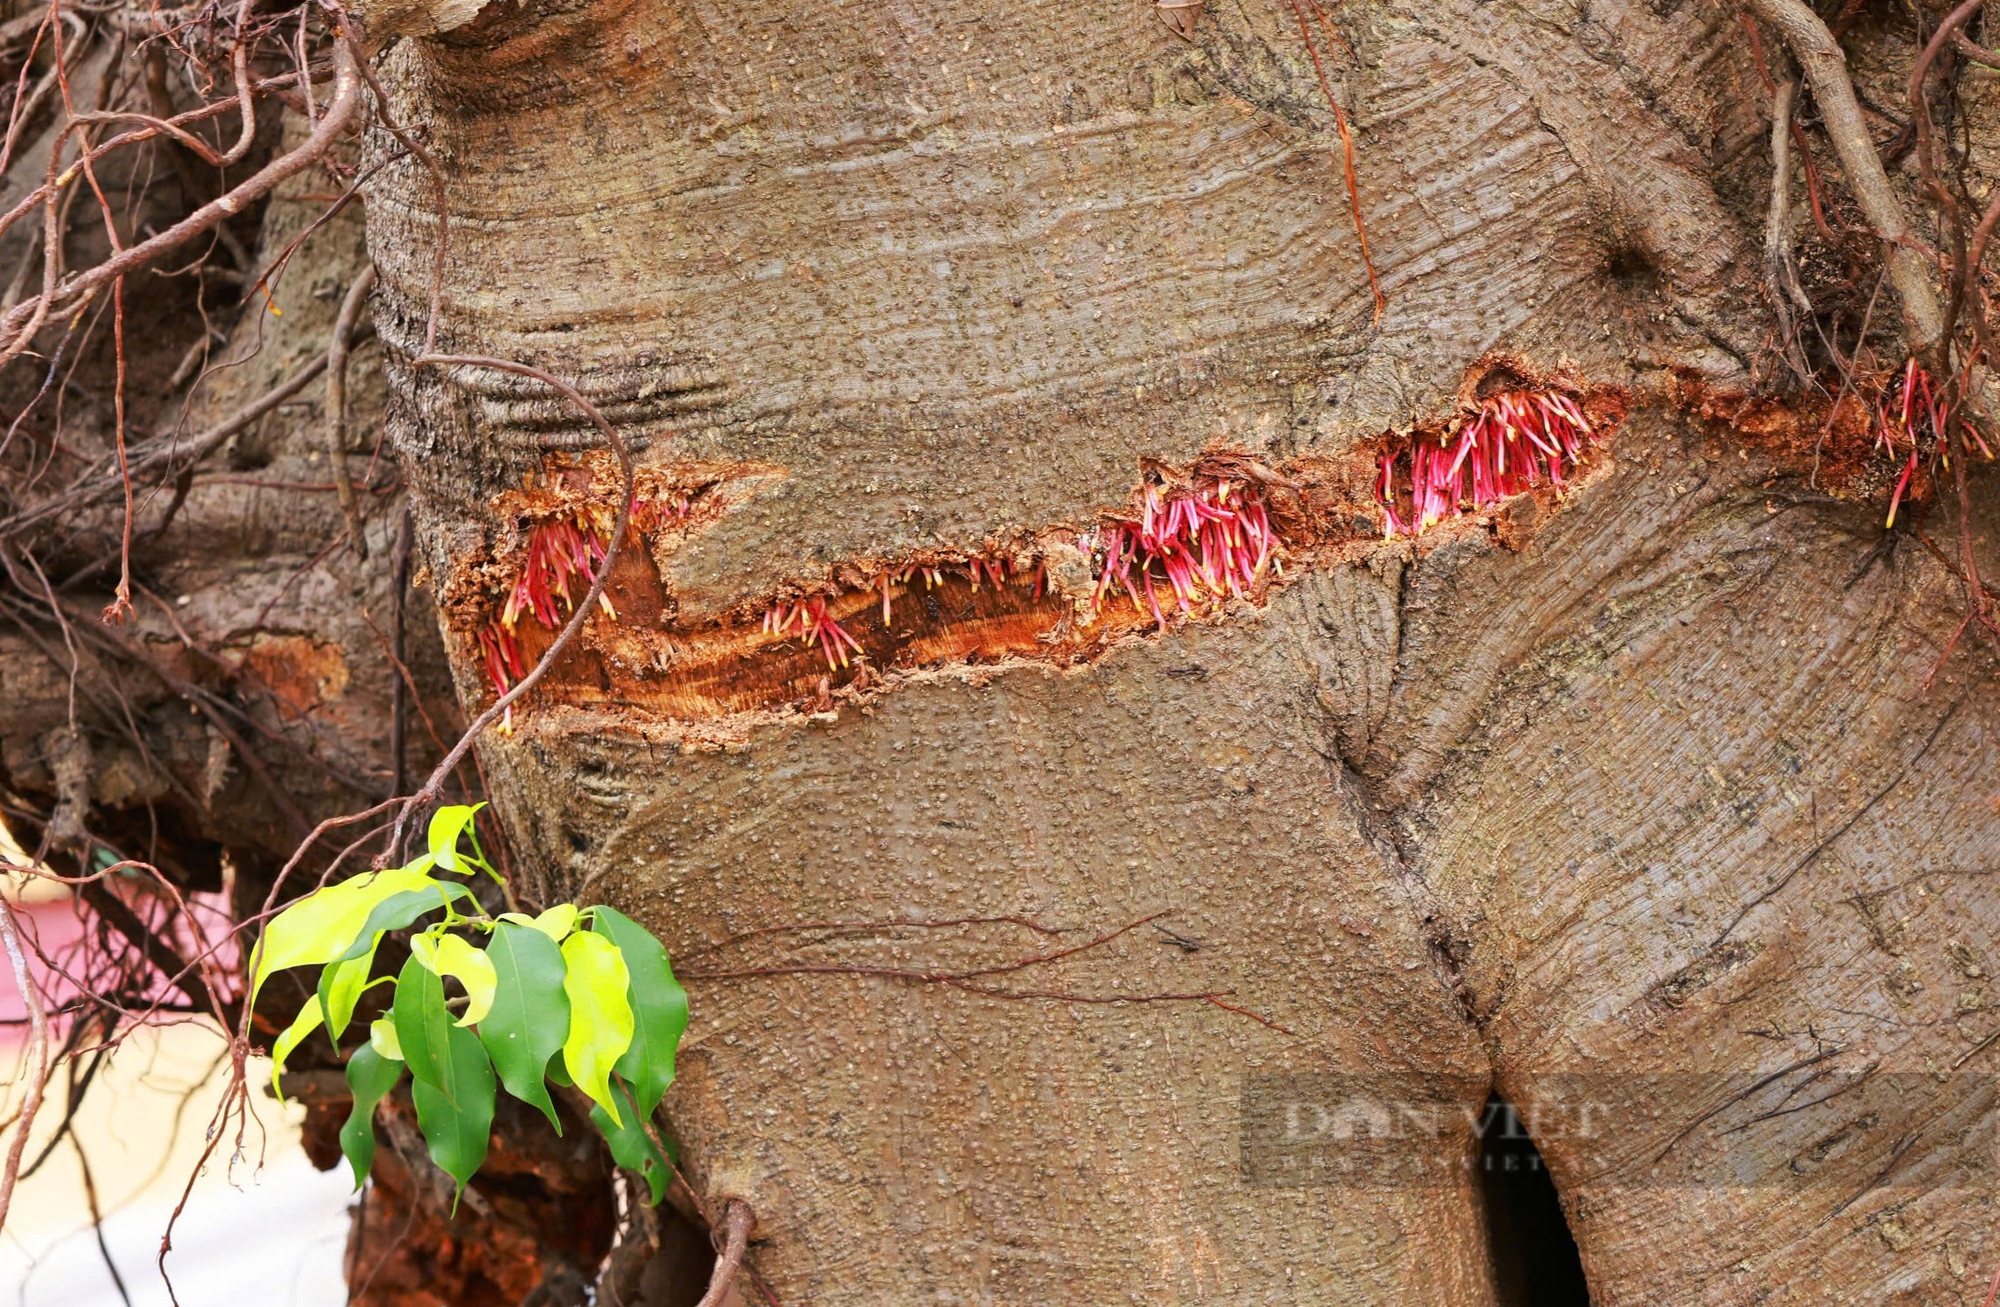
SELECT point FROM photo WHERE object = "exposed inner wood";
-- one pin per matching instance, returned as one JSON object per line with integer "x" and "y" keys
{"x": 651, "y": 662}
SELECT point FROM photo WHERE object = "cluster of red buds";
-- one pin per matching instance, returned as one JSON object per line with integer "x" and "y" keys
{"x": 501, "y": 653}
{"x": 1913, "y": 413}
{"x": 559, "y": 552}
{"x": 807, "y": 620}
{"x": 1517, "y": 439}
{"x": 1205, "y": 544}
{"x": 562, "y": 552}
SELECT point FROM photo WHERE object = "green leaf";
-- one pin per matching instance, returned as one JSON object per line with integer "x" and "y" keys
{"x": 399, "y": 910}
{"x": 321, "y": 926}
{"x": 600, "y": 1016}
{"x": 423, "y": 1025}
{"x": 370, "y": 1077}
{"x": 530, "y": 1017}
{"x": 447, "y": 824}
{"x": 302, "y": 1025}
{"x": 632, "y": 1146}
{"x": 340, "y": 986}
{"x": 659, "y": 1007}
{"x": 383, "y": 1039}
{"x": 449, "y": 955}
{"x": 457, "y": 1117}
{"x": 557, "y": 922}
{"x": 393, "y": 913}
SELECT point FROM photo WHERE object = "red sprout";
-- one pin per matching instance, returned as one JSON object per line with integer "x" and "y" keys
{"x": 504, "y": 664}
{"x": 1514, "y": 441}
{"x": 560, "y": 551}
{"x": 996, "y": 571}
{"x": 1913, "y": 413}
{"x": 808, "y": 621}
{"x": 1206, "y": 544}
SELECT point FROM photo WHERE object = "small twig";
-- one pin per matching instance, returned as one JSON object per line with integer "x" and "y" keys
{"x": 162, "y": 101}
{"x": 19, "y": 325}
{"x": 1779, "y": 285}
{"x": 399, "y": 692}
{"x": 182, "y": 975}
{"x": 1924, "y": 129}
{"x": 1846, "y": 379}
{"x": 167, "y": 451}
{"x": 440, "y": 256}
{"x": 1972, "y": 50}
{"x": 97, "y": 1217}
{"x": 1347, "y": 159}
{"x": 121, "y": 604}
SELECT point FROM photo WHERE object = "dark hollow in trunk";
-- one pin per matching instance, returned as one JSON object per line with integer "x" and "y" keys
{"x": 1535, "y": 1261}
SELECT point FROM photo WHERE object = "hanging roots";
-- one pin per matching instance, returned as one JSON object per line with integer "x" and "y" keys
{"x": 1514, "y": 442}
{"x": 1206, "y": 545}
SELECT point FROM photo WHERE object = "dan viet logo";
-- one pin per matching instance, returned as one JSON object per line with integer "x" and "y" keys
{"x": 1745, "y": 1129}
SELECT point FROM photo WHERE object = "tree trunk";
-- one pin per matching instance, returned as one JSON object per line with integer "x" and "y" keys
{"x": 1653, "y": 783}
{"x": 1045, "y": 945}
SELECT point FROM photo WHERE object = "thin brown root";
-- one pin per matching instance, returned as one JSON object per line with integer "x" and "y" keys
{"x": 737, "y": 1222}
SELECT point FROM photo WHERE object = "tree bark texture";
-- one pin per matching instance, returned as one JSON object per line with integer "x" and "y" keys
{"x": 1680, "y": 783}
{"x": 1653, "y": 780}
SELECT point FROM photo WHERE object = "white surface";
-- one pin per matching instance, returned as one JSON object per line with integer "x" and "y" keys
{"x": 276, "y": 1242}
{"x": 251, "y": 1236}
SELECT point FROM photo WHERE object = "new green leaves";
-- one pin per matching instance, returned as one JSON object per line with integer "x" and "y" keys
{"x": 646, "y": 1067}
{"x": 604, "y": 997}
{"x": 457, "y": 1116}
{"x": 321, "y": 926}
{"x": 556, "y": 923}
{"x": 453, "y": 1077}
{"x": 302, "y": 1025}
{"x": 659, "y": 1007}
{"x": 447, "y": 824}
{"x": 422, "y": 1022}
{"x": 600, "y": 1015}
{"x": 631, "y": 1146}
{"x": 529, "y": 1020}
{"x": 350, "y": 969}
{"x": 448, "y": 955}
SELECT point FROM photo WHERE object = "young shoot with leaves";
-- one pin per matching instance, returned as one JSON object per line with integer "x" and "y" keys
{"x": 575, "y": 996}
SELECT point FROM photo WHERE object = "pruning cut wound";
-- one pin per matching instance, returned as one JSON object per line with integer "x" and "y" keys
{"x": 1192, "y": 544}
{"x": 1188, "y": 545}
